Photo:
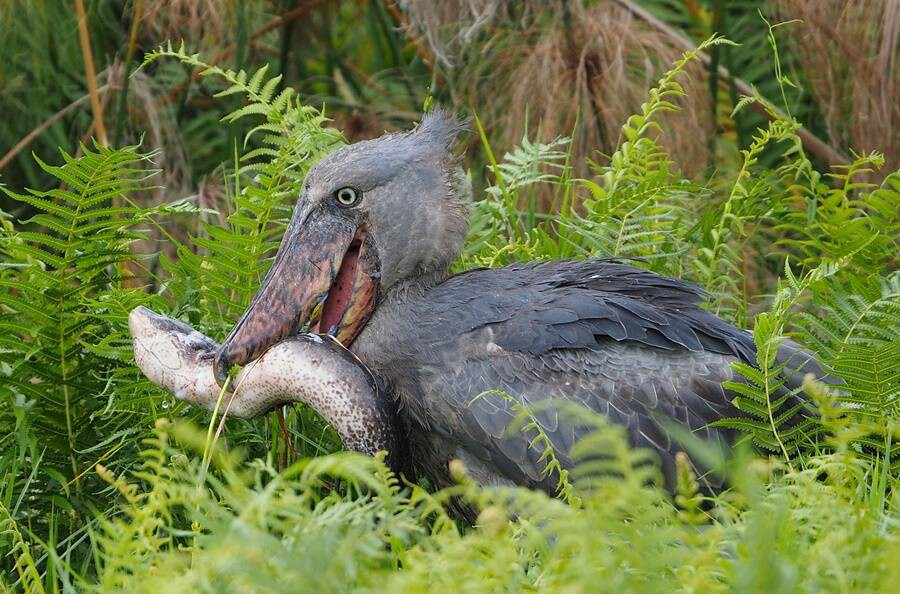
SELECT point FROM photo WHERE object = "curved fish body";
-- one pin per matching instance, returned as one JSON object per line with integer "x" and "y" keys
{"x": 308, "y": 368}
{"x": 377, "y": 227}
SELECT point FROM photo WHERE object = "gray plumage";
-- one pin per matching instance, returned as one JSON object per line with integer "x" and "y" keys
{"x": 621, "y": 341}
{"x": 618, "y": 340}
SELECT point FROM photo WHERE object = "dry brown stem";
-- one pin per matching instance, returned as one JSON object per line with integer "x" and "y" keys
{"x": 90, "y": 74}
{"x": 29, "y": 138}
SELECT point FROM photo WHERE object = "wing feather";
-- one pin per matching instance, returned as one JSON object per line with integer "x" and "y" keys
{"x": 623, "y": 342}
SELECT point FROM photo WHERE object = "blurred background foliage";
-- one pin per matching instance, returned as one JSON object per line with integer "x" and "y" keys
{"x": 561, "y": 67}
{"x": 569, "y": 156}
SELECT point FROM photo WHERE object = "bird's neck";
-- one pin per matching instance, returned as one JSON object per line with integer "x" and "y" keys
{"x": 413, "y": 287}
{"x": 381, "y": 343}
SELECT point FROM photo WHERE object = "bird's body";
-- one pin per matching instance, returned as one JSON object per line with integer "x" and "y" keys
{"x": 372, "y": 240}
{"x": 614, "y": 339}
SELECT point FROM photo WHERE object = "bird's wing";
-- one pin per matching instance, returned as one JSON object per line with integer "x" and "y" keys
{"x": 638, "y": 387}
{"x": 621, "y": 341}
{"x": 535, "y": 308}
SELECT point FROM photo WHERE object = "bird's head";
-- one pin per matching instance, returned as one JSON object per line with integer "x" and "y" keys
{"x": 371, "y": 215}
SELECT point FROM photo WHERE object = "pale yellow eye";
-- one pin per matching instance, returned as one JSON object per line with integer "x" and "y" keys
{"x": 347, "y": 196}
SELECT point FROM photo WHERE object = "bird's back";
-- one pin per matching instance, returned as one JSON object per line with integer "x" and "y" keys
{"x": 618, "y": 340}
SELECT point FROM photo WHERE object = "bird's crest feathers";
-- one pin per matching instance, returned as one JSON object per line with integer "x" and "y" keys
{"x": 441, "y": 127}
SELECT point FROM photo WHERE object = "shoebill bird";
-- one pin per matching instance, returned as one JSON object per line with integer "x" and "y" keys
{"x": 369, "y": 248}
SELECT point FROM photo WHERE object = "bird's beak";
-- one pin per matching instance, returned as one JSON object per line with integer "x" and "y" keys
{"x": 323, "y": 259}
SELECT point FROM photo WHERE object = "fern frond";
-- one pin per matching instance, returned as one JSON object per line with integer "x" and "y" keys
{"x": 525, "y": 421}
{"x": 529, "y": 163}
{"x": 231, "y": 262}
{"x": 852, "y": 219}
{"x": 777, "y": 416}
{"x": 873, "y": 378}
{"x": 861, "y": 311}
{"x": 59, "y": 277}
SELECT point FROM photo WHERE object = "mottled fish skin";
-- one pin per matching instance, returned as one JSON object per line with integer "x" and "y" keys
{"x": 630, "y": 345}
{"x": 315, "y": 370}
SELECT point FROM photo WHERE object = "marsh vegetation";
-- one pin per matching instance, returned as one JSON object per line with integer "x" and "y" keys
{"x": 594, "y": 133}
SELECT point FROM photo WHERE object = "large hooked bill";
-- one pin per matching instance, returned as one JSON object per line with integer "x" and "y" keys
{"x": 330, "y": 266}
{"x": 308, "y": 368}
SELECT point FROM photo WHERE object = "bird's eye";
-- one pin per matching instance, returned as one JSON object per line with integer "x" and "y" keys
{"x": 347, "y": 196}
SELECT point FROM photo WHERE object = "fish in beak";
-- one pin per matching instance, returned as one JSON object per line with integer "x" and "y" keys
{"x": 325, "y": 259}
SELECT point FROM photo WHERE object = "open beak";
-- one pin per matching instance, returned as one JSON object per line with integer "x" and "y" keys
{"x": 324, "y": 259}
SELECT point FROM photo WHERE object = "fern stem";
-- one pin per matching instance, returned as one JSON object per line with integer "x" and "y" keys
{"x": 63, "y": 278}
{"x": 766, "y": 370}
